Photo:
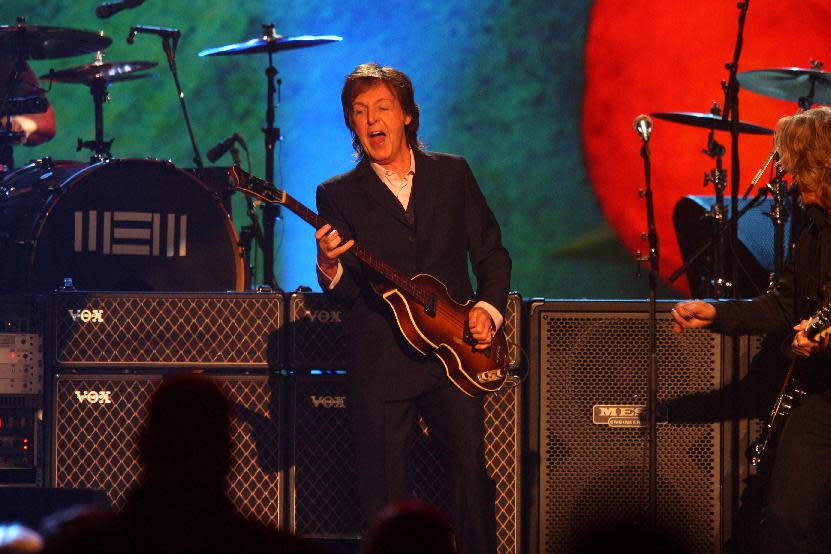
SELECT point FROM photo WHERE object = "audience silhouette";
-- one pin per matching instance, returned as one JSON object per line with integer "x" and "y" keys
{"x": 181, "y": 505}
{"x": 410, "y": 527}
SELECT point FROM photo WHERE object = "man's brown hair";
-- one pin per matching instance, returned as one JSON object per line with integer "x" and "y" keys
{"x": 803, "y": 142}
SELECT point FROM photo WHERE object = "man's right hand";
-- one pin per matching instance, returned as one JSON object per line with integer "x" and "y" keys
{"x": 329, "y": 249}
{"x": 694, "y": 314}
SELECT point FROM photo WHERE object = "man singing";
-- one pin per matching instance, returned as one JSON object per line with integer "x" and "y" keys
{"x": 420, "y": 212}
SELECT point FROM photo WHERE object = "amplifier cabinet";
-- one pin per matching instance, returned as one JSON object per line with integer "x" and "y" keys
{"x": 97, "y": 419}
{"x": 590, "y": 361}
{"x": 316, "y": 339}
{"x": 157, "y": 330}
{"x": 324, "y": 497}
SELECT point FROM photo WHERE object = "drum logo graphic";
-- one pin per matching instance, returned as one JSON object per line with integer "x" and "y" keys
{"x": 130, "y": 233}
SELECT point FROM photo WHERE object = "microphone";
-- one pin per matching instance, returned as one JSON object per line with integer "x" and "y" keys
{"x": 164, "y": 32}
{"x": 643, "y": 126}
{"x": 111, "y": 8}
{"x": 219, "y": 150}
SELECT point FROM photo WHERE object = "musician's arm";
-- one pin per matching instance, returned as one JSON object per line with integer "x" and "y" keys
{"x": 339, "y": 283}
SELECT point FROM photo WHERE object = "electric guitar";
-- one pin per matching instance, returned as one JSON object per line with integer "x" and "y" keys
{"x": 791, "y": 393}
{"x": 429, "y": 319}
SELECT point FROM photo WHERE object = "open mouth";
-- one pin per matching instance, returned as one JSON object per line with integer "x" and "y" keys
{"x": 377, "y": 137}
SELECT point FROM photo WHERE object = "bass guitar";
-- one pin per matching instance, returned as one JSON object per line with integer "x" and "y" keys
{"x": 790, "y": 394}
{"x": 429, "y": 319}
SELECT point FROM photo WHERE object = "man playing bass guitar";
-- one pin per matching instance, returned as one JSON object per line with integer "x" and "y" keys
{"x": 421, "y": 213}
{"x": 800, "y": 482}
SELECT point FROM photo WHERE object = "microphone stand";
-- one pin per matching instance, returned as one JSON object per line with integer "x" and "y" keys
{"x": 652, "y": 395}
{"x": 169, "y": 46}
{"x": 731, "y": 111}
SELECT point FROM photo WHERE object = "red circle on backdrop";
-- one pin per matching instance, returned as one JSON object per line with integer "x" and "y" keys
{"x": 667, "y": 57}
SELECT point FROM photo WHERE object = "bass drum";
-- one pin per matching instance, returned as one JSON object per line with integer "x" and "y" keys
{"x": 118, "y": 225}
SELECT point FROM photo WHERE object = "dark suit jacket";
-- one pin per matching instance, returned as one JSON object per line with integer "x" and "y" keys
{"x": 453, "y": 223}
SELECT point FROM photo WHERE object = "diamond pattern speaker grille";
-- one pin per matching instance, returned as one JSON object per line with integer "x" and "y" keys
{"x": 594, "y": 476}
{"x": 167, "y": 329}
{"x": 95, "y": 442}
{"x": 316, "y": 339}
{"x": 325, "y": 500}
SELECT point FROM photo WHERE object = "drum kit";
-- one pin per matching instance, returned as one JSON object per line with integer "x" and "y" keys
{"x": 805, "y": 86}
{"x": 118, "y": 224}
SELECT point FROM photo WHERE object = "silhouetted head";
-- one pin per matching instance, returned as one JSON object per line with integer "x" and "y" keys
{"x": 187, "y": 436}
{"x": 410, "y": 527}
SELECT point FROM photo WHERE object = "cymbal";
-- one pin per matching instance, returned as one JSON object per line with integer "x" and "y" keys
{"x": 789, "y": 83}
{"x": 276, "y": 43}
{"x": 710, "y": 121}
{"x": 37, "y": 42}
{"x": 101, "y": 71}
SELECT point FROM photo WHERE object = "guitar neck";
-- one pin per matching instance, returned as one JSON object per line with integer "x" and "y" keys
{"x": 384, "y": 269}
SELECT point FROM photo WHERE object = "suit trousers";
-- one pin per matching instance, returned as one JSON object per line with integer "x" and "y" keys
{"x": 381, "y": 430}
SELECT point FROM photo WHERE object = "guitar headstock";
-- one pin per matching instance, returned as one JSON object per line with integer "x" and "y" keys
{"x": 256, "y": 187}
{"x": 820, "y": 324}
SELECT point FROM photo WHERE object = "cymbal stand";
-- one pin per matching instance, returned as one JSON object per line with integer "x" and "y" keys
{"x": 719, "y": 284}
{"x": 807, "y": 101}
{"x": 99, "y": 146}
{"x": 272, "y": 135}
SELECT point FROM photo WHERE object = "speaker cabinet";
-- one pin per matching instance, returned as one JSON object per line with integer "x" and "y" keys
{"x": 316, "y": 339}
{"x": 590, "y": 363}
{"x": 167, "y": 330}
{"x": 324, "y": 500}
{"x": 97, "y": 419}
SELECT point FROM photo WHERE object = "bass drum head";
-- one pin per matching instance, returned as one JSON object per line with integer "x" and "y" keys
{"x": 137, "y": 225}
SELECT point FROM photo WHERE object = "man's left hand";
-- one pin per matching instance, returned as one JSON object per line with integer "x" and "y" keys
{"x": 481, "y": 327}
{"x": 804, "y": 347}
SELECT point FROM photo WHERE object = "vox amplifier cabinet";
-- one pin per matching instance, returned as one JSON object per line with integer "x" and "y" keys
{"x": 205, "y": 330}
{"x": 590, "y": 361}
{"x": 315, "y": 336}
{"x": 316, "y": 339}
{"x": 97, "y": 419}
{"x": 324, "y": 499}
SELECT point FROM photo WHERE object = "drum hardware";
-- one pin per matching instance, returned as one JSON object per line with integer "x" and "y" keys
{"x": 22, "y": 42}
{"x": 249, "y": 234}
{"x": 719, "y": 285}
{"x": 16, "y": 105}
{"x": 133, "y": 224}
{"x": 779, "y": 214}
{"x": 170, "y": 39}
{"x": 805, "y": 86}
{"x": 98, "y": 76}
{"x": 270, "y": 43}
